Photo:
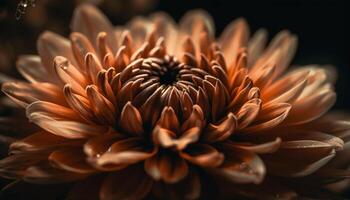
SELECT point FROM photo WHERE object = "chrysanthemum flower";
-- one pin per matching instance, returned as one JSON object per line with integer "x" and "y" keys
{"x": 159, "y": 110}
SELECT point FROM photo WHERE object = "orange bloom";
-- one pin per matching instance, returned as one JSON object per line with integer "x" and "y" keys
{"x": 159, "y": 110}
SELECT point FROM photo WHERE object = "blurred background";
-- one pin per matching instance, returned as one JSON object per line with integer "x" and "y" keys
{"x": 320, "y": 25}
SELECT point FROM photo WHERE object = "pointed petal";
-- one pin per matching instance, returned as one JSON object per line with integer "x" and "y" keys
{"x": 169, "y": 168}
{"x": 103, "y": 109}
{"x": 221, "y": 131}
{"x": 131, "y": 120}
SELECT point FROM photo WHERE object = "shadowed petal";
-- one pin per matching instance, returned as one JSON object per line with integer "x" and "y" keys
{"x": 189, "y": 188}
{"x": 240, "y": 166}
{"x": 126, "y": 152}
{"x": 51, "y": 45}
{"x": 31, "y": 69}
{"x": 131, "y": 120}
{"x": 203, "y": 155}
{"x": 169, "y": 168}
{"x": 221, "y": 131}
{"x": 267, "y": 147}
{"x": 127, "y": 184}
{"x": 307, "y": 156}
{"x": 42, "y": 141}
{"x": 71, "y": 159}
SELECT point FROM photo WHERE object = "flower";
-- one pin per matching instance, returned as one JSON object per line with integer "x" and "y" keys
{"x": 160, "y": 110}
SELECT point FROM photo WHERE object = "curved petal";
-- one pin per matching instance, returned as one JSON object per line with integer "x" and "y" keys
{"x": 46, "y": 174}
{"x": 270, "y": 116}
{"x": 71, "y": 159}
{"x": 234, "y": 37}
{"x": 31, "y": 69}
{"x": 168, "y": 139}
{"x": 286, "y": 89}
{"x": 221, "y": 131}
{"x": 169, "y": 168}
{"x": 60, "y": 120}
{"x": 42, "y": 141}
{"x": 103, "y": 109}
{"x": 267, "y": 147}
{"x": 51, "y": 45}
{"x": 256, "y": 46}
{"x": 240, "y": 166}
{"x": 248, "y": 112}
{"x": 169, "y": 120}
{"x": 127, "y": 151}
{"x": 88, "y": 20}
{"x": 312, "y": 107}
{"x": 25, "y": 93}
{"x": 307, "y": 156}
{"x": 98, "y": 145}
{"x": 69, "y": 74}
{"x": 131, "y": 120}
{"x": 203, "y": 155}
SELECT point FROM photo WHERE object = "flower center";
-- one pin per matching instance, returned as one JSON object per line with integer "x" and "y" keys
{"x": 166, "y": 71}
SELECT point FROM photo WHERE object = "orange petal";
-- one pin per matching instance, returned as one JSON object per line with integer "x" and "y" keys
{"x": 168, "y": 119}
{"x": 241, "y": 166}
{"x": 80, "y": 47}
{"x": 169, "y": 168}
{"x": 24, "y": 93}
{"x": 103, "y": 109}
{"x": 270, "y": 116}
{"x": 68, "y": 73}
{"x": 60, "y": 120}
{"x": 234, "y": 36}
{"x": 256, "y": 46}
{"x": 88, "y": 20}
{"x": 126, "y": 152}
{"x": 42, "y": 141}
{"x": 203, "y": 155}
{"x": 312, "y": 107}
{"x": 248, "y": 112}
{"x": 71, "y": 159}
{"x": 307, "y": 157}
{"x": 267, "y": 147}
{"x": 221, "y": 131}
{"x": 131, "y": 120}
{"x": 31, "y": 69}
{"x": 78, "y": 103}
{"x": 51, "y": 45}
{"x": 167, "y": 138}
